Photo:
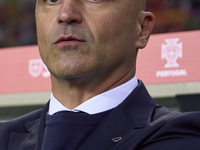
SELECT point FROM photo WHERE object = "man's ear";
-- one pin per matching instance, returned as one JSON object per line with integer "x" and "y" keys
{"x": 146, "y": 23}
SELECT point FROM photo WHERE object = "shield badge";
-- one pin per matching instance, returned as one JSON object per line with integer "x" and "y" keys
{"x": 35, "y": 67}
{"x": 171, "y": 51}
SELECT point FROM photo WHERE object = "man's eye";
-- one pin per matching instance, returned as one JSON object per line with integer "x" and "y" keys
{"x": 52, "y": 1}
{"x": 95, "y": 1}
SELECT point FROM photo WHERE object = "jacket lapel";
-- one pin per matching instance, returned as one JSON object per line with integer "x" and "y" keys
{"x": 123, "y": 123}
{"x": 24, "y": 141}
{"x": 32, "y": 136}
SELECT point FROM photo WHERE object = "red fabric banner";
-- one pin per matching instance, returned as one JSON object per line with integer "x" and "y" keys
{"x": 170, "y": 58}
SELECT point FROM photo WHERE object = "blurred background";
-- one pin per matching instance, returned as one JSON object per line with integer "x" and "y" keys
{"x": 17, "y": 23}
{"x": 17, "y": 28}
{"x": 175, "y": 15}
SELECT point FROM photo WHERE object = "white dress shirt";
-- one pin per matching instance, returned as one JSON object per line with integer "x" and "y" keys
{"x": 100, "y": 103}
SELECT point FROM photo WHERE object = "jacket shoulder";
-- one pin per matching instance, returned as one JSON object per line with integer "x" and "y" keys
{"x": 174, "y": 130}
{"x": 168, "y": 117}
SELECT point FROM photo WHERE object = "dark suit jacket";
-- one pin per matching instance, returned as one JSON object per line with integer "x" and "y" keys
{"x": 136, "y": 124}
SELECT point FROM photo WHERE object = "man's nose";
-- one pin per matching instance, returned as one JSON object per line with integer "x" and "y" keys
{"x": 69, "y": 12}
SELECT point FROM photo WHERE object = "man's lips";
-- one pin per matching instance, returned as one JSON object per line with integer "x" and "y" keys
{"x": 68, "y": 40}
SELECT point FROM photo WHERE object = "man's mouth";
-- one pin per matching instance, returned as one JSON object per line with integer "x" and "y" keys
{"x": 68, "y": 40}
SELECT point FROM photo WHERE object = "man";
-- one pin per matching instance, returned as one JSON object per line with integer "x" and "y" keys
{"x": 90, "y": 48}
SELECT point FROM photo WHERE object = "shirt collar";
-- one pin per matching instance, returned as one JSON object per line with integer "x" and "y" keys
{"x": 100, "y": 103}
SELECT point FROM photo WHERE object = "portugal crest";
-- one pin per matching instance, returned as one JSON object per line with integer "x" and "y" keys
{"x": 35, "y": 67}
{"x": 171, "y": 51}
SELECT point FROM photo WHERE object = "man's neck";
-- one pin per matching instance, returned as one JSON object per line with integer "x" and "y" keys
{"x": 73, "y": 92}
